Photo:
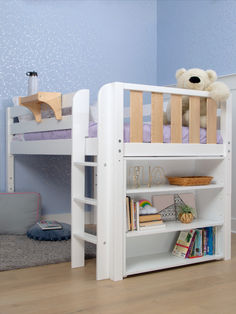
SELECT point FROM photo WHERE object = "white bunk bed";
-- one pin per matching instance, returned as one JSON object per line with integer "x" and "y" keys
{"x": 121, "y": 253}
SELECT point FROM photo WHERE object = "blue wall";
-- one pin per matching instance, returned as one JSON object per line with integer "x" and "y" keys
{"x": 195, "y": 34}
{"x": 72, "y": 45}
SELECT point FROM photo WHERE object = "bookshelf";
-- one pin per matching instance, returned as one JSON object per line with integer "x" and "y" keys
{"x": 150, "y": 250}
{"x": 146, "y": 263}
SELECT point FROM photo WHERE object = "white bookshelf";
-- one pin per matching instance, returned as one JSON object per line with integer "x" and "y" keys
{"x": 146, "y": 263}
{"x": 173, "y": 226}
{"x": 150, "y": 250}
{"x": 167, "y": 188}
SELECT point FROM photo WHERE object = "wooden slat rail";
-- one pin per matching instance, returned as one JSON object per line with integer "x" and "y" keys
{"x": 176, "y": 118}
{"x": 194, "y": 119}
{"x": 136, "y": 117}
{"x": 157, "y": 118}
{"x": 211, "y": 121}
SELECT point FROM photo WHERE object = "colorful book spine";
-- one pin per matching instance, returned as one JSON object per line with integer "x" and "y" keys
{"x": 191, "y": 246}
{"x": 137, "y": 216}
{"x": 128, "y": 213}
{"x": 210, "y": 241}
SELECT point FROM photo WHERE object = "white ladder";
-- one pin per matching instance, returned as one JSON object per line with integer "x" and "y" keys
{"x": 78, "y": 213}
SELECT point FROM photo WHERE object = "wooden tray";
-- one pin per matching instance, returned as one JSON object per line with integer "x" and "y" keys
{"x": 196, "y": 180}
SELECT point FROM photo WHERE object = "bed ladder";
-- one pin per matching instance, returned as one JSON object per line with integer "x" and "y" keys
{"x": 80, "y": 122}
{"x": 79, "y": 204}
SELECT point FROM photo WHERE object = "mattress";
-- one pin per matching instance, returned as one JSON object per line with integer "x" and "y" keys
{"x": 66, "y": 134}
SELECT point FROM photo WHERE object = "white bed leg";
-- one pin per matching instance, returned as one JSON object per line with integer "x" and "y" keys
{"x": 9, "y": 157}
{"x": 110, "y": 250}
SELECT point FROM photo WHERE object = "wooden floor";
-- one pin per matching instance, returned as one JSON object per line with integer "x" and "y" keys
{"x": 204, "y": 288}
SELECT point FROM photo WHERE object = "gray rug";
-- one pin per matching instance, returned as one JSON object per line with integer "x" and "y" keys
{"x": 21, "y": 252}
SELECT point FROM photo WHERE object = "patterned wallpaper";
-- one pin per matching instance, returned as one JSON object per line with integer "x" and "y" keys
{"x": 72, "y": 45}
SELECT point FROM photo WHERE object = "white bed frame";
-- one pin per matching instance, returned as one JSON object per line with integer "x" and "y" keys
{"x": 117, "y": 255}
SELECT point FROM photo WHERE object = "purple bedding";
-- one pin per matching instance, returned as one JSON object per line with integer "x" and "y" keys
{"x": 66, "y": 134}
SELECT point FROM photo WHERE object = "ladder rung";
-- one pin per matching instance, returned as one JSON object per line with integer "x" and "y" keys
{"x": 85, "y": 164}
{"x": 86, "y": 237}
{"x": 86, "y": 200}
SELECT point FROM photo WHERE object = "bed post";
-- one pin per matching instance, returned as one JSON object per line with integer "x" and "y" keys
{"x": 111, "y": 200}
{"x": 226, "y": 119}
{"x": 9, "y": 156}
{"x": 79, "y": 132}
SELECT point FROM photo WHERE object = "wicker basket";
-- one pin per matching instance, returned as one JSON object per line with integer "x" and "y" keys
{"x": 190, "y": 180}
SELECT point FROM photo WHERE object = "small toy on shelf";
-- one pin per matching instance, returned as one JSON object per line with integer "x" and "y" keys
{"x": 136, "y": 172}
{"x": 157, "y": 175}
{"x": 185, "y": 214}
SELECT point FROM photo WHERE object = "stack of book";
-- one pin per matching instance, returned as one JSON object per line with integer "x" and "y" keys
{"x": 136, "y": 220}
{"x": 149, "y": 221}
{"x": 195, "y": 243}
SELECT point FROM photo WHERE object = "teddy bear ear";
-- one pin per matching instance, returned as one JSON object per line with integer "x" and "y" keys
{"x": 179, "y": 72}
{"x": 211, "y": 75}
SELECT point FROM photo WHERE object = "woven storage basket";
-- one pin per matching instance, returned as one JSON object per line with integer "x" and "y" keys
{"x": 190, "y": 180}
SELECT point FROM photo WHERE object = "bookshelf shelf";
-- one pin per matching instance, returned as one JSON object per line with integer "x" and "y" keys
{"x": 146, "y": 263}
{"x": 151, "y": 250}
{"x": 172, "y": 188}
{"x": 173, "y": 226}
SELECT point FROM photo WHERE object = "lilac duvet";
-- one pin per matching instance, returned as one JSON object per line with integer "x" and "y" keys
{"x": 66, "y": 134}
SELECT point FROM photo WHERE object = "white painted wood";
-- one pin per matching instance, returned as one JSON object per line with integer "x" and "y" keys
{"x": 172, "y": 188}
{"x": 51, "y": 147}
{"x": 228, "y": 180}
{"x": 164, "y": 90}
{"x": 67, "y": 100}
{"x": 85, "y": 200}
{"x": 151, "y": 149}
{"x": 80, "y": 120}
{"x": 110, "y": 183}
{"x": 9, "y": 156}
{"x": 50, "y": 124}
{"x": 86, "y": 237}
{"x": 142, "y": 264}
{"x": 48, "y": 147}
{"x": 173, "y": 226}
{"x": 172, "y": 158}
{"x": 85, "y": 164}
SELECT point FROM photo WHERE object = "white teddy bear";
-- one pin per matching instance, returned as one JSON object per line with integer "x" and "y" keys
{"x": 200, "y": 80}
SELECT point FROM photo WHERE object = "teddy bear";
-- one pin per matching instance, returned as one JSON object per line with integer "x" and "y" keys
{"x": 200, "y": 80}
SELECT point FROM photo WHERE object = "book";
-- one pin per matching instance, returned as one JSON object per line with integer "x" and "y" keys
{"x": 183, "y": 242}
{"x": 190, "y": 249}
{"x": 137, "y": 216}
{"x": 128, "y": 213}
{"x": 150, "y": 223}
{"x": 49, "y": 225}
{"x": 209, "y": 240}
{"x": 152, "y": 217}
{"x": 204, "y": 242}
{"x": 197, "y": 251}
{"x": 214, "y": 241}
{"x": 133, "y": 215}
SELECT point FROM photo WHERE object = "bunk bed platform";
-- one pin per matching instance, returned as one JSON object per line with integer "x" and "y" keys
{"x": 64, "y": 147}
